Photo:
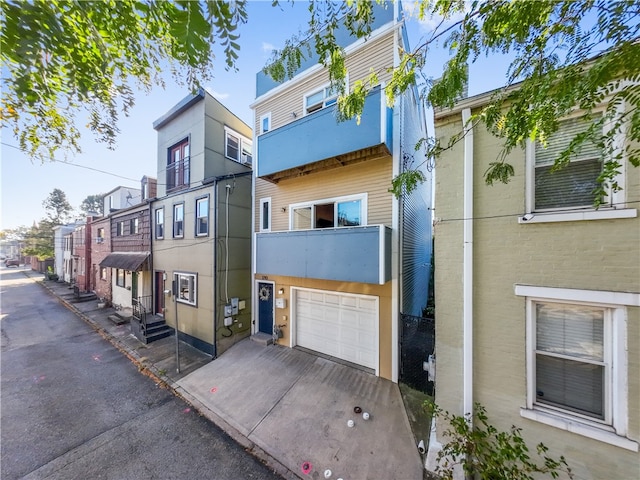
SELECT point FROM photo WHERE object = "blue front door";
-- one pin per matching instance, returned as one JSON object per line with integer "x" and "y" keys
{"x": 265, "y": 307}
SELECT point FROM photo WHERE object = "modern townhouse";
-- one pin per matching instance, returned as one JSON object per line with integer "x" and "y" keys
{"x": 121, "y": 197}
{"x": 337, "y": 258}
{"x": 538, "y": 295}
{"x": 201, "y": 241}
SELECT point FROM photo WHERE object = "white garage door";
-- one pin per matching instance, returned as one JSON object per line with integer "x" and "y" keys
{"x": 337, "y": 324}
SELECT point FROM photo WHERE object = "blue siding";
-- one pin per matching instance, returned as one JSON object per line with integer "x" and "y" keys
{"x": 319, "y": 136}
{"x": 343, "y": 254}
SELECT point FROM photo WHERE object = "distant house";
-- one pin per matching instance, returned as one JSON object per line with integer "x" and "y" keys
{"x": 59, "y": 233}
{"x": 202, "y": 223}
{"x": 538, "y": 295}
{"x": 121, "y": 197}
{"x": 338, "y": 258}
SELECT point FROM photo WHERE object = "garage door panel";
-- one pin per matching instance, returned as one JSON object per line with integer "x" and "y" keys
{"x": 340, "y": 325}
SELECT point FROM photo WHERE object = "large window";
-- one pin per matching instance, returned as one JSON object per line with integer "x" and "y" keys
{"x": 187, "y": 285}
{"x": 160, "y": 223}
{"x": 202, "y": 216}
{"x": 319, "y": 99}
{"x": 178, "y": 220}
{"x": 178, "y": 166}
{"x": 237, "y": 147}
{"x": 341, "y": 212}
{"x": 577, "y": 361}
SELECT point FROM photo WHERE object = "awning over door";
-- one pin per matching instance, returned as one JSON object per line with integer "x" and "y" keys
{"x": 131, "y": 261}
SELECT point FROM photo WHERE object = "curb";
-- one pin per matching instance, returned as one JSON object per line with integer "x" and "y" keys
{"x": 150, "y": 370}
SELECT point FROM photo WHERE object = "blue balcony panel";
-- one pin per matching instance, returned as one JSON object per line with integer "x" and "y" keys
{"x": 318, "y": 140}
{"x": 347, "y": 254}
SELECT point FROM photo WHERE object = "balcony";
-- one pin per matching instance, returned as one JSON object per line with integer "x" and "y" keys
{"x": 178, "y": 175}
{"x": 318, "y": 141}
{"x": 346, "y": 254}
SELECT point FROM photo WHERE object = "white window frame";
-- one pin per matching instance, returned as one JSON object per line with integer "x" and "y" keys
{"x": 174, "y": 221}
{"x": 328, "y": 99}
{"x": 335, "y": 200}
{"x": 614, "y": 206}
{"x": 266, "y": 201}
{"x": 267, "y": 117}
{"x": 159, "y": 215}
{"x": 199, "y": 217}
{"x": 189, "y": 299}
{"x": 613, "y": 429}
{"x": 244, "y": 143}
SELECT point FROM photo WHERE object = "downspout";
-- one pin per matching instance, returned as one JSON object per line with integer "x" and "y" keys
{"x": 215, "y": 268}
{"x": 467, "y": 269}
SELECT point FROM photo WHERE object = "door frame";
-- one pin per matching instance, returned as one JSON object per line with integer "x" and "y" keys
{"x": 159, "y": 292}
{"x": 256, "y": 326}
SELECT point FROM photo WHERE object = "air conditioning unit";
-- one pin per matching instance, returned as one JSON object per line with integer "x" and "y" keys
{"x": 99, "y": 239}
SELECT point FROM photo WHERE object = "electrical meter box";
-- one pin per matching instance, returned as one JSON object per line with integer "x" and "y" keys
{"x": 228, "y": 310}
{"x": 281, "y": 303}
{"x": 234, "y": 306}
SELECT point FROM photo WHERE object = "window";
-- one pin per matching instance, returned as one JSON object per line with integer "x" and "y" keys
{"x": 103, "y": 273}
{"x": 237, "y": 147}
{"x": 202, "y": 216}
{"x": 178, "y": 166}
{"x": 341, "y": 212}
{"x": 100, "y": 237}
{"x": 133, "y": 226}
{"x": 120, "y": 277}
{"x": 265, "y": 214}
{"x": 265, "y": 123}
{"x": 187, "y": 285}
{"x": 160, "y": 223}
{"x": 577, "y": 361}
{"x": 178, "y": 220}
{"x": 119, "y": 229}
{"x": 319, "y": 99}
{"x": 568, "y": 193}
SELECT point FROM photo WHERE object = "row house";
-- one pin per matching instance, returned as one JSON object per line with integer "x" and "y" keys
{"x": 60, "y": 233}
{"x": 538, "y": 293}
{"x": 201, "y": 240}
{"x": 81, "y": 255}
{"x": 337, "y": 258}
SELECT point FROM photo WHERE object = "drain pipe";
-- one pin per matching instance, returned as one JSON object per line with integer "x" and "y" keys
{"x": 215, "y": 268}
{"x": 467, "y": 270}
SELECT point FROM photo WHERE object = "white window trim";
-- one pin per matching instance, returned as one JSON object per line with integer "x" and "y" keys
{"x": 616, "y": 207}
{"x": 176, "y": 277}
{"x": 266, "y": 116}
{"x": 241, "y": 140}
{"x": 262, "y": 202}
{"x": 322, "y": 89}
{"x": 198, "y": 200}
{"x": 347, "y": 198}
{"x": 155, "y": 230}
{"x": 173, "y": 220}
{"x": 614, "y": 434}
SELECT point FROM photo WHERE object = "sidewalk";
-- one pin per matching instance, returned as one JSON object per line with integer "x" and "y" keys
{"x": 288, "y": 407}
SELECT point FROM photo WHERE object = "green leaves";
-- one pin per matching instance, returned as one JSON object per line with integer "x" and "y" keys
{"x": 65, "y": 56}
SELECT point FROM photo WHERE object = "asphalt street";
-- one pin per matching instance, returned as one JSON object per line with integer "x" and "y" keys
{"x": 74, "y": 407}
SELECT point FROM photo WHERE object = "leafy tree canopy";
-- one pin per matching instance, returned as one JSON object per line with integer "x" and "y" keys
{"x": 93, "y": 203}
{"x": 64, "y": 57}
{"x": 58, "y": 208}
{"x": 565, "y": 54}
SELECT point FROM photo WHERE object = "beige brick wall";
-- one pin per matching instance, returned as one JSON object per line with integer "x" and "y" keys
{"x": 590, "y": 255}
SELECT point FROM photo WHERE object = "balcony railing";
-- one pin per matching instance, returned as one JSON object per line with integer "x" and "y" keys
{"x": 178, "y": 174}
{"x": 319, "y": 137}
{"x": 347, "y": 254}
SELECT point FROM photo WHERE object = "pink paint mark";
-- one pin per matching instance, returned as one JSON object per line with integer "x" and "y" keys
{"x": 38, "y": 379}
{"x": 214, "y": 389}
{"x": 96, "y": 358}
{"x": 186, "y": 410}
{"x": 306, "y": 468}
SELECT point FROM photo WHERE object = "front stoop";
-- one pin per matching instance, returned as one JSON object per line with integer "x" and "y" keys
{"x": 155, "y": 329}
{"x": 262, "y": 338}
{"x": 120, "y": 317}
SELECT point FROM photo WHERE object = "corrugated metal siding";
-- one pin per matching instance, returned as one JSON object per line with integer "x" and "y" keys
{"x": 416, "y": 217}
{"x": 372, "y": 177}
{"x": 377, "y": 54}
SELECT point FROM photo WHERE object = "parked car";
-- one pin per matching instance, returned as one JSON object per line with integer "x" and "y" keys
{"x": 12, "y": 261}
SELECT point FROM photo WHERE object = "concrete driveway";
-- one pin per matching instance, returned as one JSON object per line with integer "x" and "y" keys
{"x": 296, "y": 407}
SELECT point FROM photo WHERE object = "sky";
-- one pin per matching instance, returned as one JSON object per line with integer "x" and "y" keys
{"x": 26, "y": 184}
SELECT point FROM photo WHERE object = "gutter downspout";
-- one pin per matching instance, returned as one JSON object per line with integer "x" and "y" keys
{"x": 467, "y": 269}
{"x": 215, "y": 269}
